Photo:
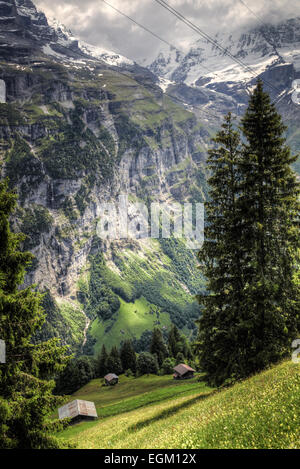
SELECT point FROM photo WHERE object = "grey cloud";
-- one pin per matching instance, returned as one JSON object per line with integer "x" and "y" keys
{"x": 96, "y": 23}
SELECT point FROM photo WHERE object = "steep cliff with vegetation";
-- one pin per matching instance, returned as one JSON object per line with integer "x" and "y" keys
{"x": 78, "y": 127}
{"x": 75, "y": 132}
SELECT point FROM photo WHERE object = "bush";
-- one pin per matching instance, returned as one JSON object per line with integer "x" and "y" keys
{"x": 77, "y": 373}
{"x": 146, "y": 364}
{"x": 167, "y": 366}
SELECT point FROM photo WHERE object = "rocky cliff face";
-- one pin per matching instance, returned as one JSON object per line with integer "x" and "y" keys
{"x": 79, "y": 127}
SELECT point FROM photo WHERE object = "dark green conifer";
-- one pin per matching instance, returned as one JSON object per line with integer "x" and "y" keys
{"x": 128, "y": 357}
{"x": 102, "y": 363}
{"x": 174, "y": 339}
{"x": 158, "y": 346}
{"x": 220, "y": 257}
{"x": 251, "y": 311}
{"x": 26, "y": 397}
{"x": 113, "y": 362}
{"x": 269, "y": 202}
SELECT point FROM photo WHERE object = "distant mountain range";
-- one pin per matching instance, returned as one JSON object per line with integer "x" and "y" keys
{"x": 208, "y": 78}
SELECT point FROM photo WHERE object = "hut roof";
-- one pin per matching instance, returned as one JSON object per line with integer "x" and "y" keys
{"x": 78, "y": 408}
{"x": 111, "y": 376}
{"x": 181, "y": 369}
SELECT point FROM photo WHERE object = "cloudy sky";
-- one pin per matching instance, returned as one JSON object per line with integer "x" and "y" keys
{"x": 96, "y": 23}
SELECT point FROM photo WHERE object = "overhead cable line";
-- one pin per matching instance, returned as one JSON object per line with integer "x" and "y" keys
{"x": 153, "y": 34}
{"x": 214, "y": 42}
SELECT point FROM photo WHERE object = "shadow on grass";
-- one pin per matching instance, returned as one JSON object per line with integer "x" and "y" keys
{"x": 168, "y": 412}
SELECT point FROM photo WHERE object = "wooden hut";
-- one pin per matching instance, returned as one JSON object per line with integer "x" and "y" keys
{"x": 183, "y": 371}
{"x": 111, "y": 379}
{"x": 78, "y": 410}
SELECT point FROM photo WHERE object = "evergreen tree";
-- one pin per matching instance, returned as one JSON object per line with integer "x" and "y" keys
{"x": 77, "y": 373}
{"x": 270, "y": 235}
{"x": 174, "y": 339}
{"x": 147, "y": 363}
{"x": 128, "y": 357}
{"x": 178, "y": 343}
{"x": 186, "y": 349}
{"x": 113, "y": 363}
{"x": 158, "y": 346}
{"x": 102, "y": 363}
{"x": 26, "y": 397}
{"x": 220, "y": 257}
{"x": 251, "y": 313}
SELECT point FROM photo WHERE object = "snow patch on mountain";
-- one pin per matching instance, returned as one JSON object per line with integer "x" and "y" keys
{"x": 163, "y": 83}
{"x": 207, "y": 64}
{"x": 67, "y": 39}
{"x": 109, "y": 57}
{"x": 47, "y": 49}
{"x": 65, "y": 36}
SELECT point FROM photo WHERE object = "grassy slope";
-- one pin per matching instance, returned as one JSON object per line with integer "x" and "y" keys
{"x": 261, "y": 412}
{"x": 130, "y": 321}
{"x": 155, "y": 275}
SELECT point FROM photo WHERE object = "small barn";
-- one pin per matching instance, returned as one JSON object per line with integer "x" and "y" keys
{"x": 183, "y": 371}
{"x": 111, "y": 379}
{"x": 78, "y": 410}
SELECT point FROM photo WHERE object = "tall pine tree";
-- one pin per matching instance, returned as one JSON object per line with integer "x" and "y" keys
{"x": 113, "y": 363}
{"x": 102, "y": 363}
{"x": 220, "y": 259}
{"x": 26, "y": 397}
{"x": 128, "y": 357}
{"x": 174, "y": 340}
{"x": 251, "y": 313}
{"x": 269, "y": 202}
{"x": 158, "y": 346}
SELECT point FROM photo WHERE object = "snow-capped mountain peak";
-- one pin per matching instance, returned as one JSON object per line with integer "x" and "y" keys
{"x": 67, "y": 39}
{"x": 26, "y": 32}
{"x": 258, "y": 49}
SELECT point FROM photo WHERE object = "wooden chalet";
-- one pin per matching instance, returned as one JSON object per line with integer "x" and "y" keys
{"x": 183, "y": 371}
{"x": 111, "y": 379}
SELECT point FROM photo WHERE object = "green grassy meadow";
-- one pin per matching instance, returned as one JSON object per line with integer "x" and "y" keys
{"x": 164, "y": 292}
{"x": 157, "y": 413}
{"x": 131, "y": 320}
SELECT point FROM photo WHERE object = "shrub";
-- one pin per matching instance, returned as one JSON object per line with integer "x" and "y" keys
{"x": 147, "y": 363}
{"x": 77, "y": 373}
{"x": 167, "y": 366}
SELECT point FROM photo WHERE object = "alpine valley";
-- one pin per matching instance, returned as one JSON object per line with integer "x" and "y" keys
{"x": 80, "y": 126}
